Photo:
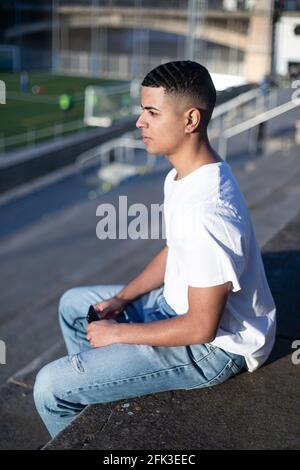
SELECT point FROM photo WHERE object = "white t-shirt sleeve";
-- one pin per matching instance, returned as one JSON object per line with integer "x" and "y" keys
{"x": 215, "y": 254}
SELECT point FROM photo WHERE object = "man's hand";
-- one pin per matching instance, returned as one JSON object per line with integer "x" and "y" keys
{"x": 110, "y": 308}
{"x": 101, "y": 333}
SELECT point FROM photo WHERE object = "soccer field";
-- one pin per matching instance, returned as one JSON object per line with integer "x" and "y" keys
{"x": 39, "y": 107}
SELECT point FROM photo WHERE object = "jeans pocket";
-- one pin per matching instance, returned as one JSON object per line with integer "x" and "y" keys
{"x": 207, "y": 374}
{"x": 213, "y": 365}
{"x": 229, "y": 370}
{"x": 198, "y": 351}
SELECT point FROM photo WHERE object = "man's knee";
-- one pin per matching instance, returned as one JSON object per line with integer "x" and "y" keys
{"x": 44, "y": 387}
{"x": 67, "y": 301}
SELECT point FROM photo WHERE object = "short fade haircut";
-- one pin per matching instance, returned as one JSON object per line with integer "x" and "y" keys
{"x": 186, "y": 79}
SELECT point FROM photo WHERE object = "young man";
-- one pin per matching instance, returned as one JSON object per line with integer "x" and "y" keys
{"x": 201, "y": 310}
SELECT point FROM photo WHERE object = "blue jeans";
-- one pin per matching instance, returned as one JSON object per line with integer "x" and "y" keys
{"x": 89, "y": 375}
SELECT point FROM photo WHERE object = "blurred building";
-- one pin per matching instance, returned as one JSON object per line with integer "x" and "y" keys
{"x": 287, "y": 41}
{"x": 125, "y": 38}
{"x": 26, "y": 28}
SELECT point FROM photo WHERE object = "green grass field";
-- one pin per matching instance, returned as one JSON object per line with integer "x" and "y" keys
{"x": 25, "y": 112}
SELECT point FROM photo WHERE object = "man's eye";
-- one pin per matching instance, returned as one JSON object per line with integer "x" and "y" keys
{"x": 152, "y": 113}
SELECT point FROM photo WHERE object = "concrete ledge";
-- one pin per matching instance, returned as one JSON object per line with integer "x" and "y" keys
{"x": 249, "y": 411}
{"x": 26, "y": 165}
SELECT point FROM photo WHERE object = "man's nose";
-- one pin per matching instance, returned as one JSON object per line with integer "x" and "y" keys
{"x": 140, "y": 122}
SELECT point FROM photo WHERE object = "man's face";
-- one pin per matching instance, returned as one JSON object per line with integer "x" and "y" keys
{"x": 161, "y": 121}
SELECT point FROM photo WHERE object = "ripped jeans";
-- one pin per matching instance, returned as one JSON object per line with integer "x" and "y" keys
{"x": 89, "y": 375}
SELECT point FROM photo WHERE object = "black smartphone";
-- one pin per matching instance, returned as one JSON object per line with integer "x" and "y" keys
{"x": 92, "y": 315}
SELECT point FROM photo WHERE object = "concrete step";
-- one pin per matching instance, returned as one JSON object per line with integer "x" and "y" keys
{"x": 250, "y": 411}
{"x": 66, "y": 244}
{"x": 19, "y": 418}
{"x": 262, "y": 176}
{"x": 276, "y": 210}
{"x": 69, "y": 249}
{"x": 271, "y": 188}
{"x": 21, "y": 427}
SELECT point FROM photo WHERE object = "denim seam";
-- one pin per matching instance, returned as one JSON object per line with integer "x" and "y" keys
{"x": 196, "y": 361}
{"x": 235, "y": 368}
{"x": 228, "y": 365}
{"x": 127, "y": 379}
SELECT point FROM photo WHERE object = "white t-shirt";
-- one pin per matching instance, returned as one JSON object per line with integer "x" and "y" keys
{"x": 211, "y": 241}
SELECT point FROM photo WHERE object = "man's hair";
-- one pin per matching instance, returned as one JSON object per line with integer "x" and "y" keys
{"x": 187, "y": 79}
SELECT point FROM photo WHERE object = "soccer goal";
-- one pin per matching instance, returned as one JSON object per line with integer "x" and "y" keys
{"x": 105, "y": 104}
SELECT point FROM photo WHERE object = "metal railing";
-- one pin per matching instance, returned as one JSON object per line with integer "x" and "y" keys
{"x": 108, "y": 164}
{"x": 235, "y": 102}
{"x": 252, "y": 123}
{"x": 241, "y": 108}
{"x": 30, "y": 137}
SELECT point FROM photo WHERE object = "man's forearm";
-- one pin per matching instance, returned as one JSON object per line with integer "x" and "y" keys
{"x": 150, "y": 278}
{"x": 178, "y": 331}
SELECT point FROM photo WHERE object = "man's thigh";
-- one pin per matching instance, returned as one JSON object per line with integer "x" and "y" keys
{"x": 119, "y": 371}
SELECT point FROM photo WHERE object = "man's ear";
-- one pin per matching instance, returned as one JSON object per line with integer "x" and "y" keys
{"x": 192, "y": 119}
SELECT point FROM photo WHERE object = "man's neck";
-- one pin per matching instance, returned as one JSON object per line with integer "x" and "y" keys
{"x": 188, "y": 160}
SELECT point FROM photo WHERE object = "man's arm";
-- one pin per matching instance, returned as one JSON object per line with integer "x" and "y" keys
{"x": 150, "y": 278}
{"x": 198, "y": 325}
